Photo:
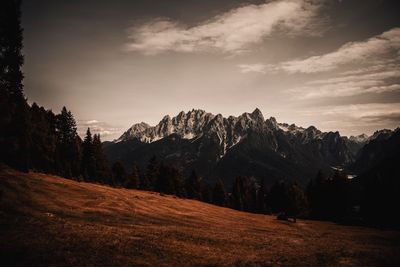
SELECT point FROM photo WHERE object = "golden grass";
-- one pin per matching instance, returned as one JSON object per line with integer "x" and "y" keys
{"x": 48, "y": 220}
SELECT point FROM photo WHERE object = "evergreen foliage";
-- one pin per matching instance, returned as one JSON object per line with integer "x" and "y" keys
{"x": 119, "y": 174}
{"x": 219, "y": 194}
{"x": 193, "y": 186}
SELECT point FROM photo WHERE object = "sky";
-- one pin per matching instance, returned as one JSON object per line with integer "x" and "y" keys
{"x": 334, "y": 64}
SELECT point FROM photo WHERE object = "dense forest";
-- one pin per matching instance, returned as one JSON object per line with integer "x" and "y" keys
{"x": 33, "y": 138}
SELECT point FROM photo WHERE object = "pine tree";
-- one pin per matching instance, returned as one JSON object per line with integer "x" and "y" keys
{"x": 219, "y": 194}
{"x": 261, "y": 197}
{"x": 134, "y": 177}
{"x": 297, "y": 201}
{"x": 244, "y": 194}
{"x": 317, "y": 193}
{"x": 169, "y": 181}
{"x": 119, "y": 174}
{"x": 103, "y": 172}
{"x": 237, "y": 194}
{"x": 68, "y": 145}
{"x": 43, "y": 147}
{"x": 193, "y": 186}
{"x": 277, "y": 197}
{"x": 206, "y": 193}
{"x": 15, "y": 139}
{"x": 88, "y": 158}
{"x": 152, "y": 173}
{"x": 164, "y": 180}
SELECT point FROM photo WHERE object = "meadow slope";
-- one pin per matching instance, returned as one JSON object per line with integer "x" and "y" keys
{"x": 48, "y": 220}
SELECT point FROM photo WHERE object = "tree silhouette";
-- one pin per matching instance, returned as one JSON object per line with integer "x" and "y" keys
{"x": 152, "y": 173}
{"x": 103, "y": 172}
{"x": 88, "y": 158}
{"x": 15, "y": 136}
{"x": 244, "y": 194}
{"x": 261, "y": 197}
{"x": 68, "y": 147}
{"x": 134, "y": 177}
{"x": 193, "y": 186}
{"x": 119, "y": 174}
{"x": 219, "y": 194}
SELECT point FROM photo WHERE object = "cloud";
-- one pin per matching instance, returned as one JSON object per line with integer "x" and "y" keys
{"x": 372, "y": 50}
{"x": 349, "y": 85}
{"x": 365, "y": 112}
{"x": 230, "y": 32}
{"x": 246, "y": 68}
{"x": 355, "y": 118}
{"x": 372, "y": 67}
{"x": 106, "y": 131}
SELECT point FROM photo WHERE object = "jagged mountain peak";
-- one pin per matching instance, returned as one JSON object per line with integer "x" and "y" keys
{"x": 361, "y": 138}
{"x": 257, "y": 115}
{"x": 227, "y": 132}
{"x": 210, "y": 143}
{"x": 381, "y": 134}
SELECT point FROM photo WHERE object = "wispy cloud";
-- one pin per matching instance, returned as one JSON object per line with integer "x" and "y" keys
{"x": 232, "y": 32}
{"x": 350, "y": 85}
{"x": 377, "y": 48}
{"x": 355, "y": 118}
{"x": 370, "y": 67}
{"x": 106, "y": 131}
{"x": 366, "y": 112}
{"x": 246, "y": 68}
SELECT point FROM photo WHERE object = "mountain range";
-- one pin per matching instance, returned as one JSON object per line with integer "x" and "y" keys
{"x": 249, "y": 145}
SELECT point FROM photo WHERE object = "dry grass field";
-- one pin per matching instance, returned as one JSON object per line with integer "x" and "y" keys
{"x": 48, "y": 220}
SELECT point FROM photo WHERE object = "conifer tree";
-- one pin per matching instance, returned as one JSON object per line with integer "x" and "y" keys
{"x": 119, "y": 174}
{"x": 68, "y": 145}
{"x": 152, "y": 173}
{"x": 193, "y": 186}
{"x": 244, "y": 194}
{"x": 206, "y": 193}
{"x": 219, "y": 194}
{"x": 88, "y": 158}
{"x": 134, "y": 177}
{"x": 261, "y": 197}
{"x": 103, "y": 172}
{"x": 43, "y": 135}
{"x": 297, "y": 201}
{"x": 15, "y": 139}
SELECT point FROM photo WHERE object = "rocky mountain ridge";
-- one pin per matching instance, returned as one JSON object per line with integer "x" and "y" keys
{"x": 218, "y": 147}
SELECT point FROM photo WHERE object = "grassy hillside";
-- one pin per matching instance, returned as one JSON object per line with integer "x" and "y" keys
{"x": 50, "y": 220}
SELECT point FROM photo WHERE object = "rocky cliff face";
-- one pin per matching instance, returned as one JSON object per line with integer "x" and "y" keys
{"x": 225, "y": 147}
{"x": 196, "y": 123}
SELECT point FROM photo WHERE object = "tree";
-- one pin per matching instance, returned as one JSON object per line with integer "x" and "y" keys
{"x": 219, "y": 194}
{"x": 261, "y": 197}
{"x": 43, "y": 147}
{"x": 15, "y": 139}
{"x": 277, "y": 198}
{"x": 329, "y": 199}
{"x": 297, "y": 201}
{"x": 169, "y": 181}
{"x": 193, "y": 186}
{"x": 340, "y": 195}
{"x": 103, "y": 172}
{"x": 88, "y": 158}
{"x": 134, "y": 177}
{"x": 68, "y": 145}
{"x": 152, "y": 173}
{"x": 206, "y": 193}
{"x": 244, "y": 194}
{"x": 119, "y": 174}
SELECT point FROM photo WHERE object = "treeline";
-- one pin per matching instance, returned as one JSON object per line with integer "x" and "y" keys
{"x": 325, "y": 197}
{"x": 167, "y": 179}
